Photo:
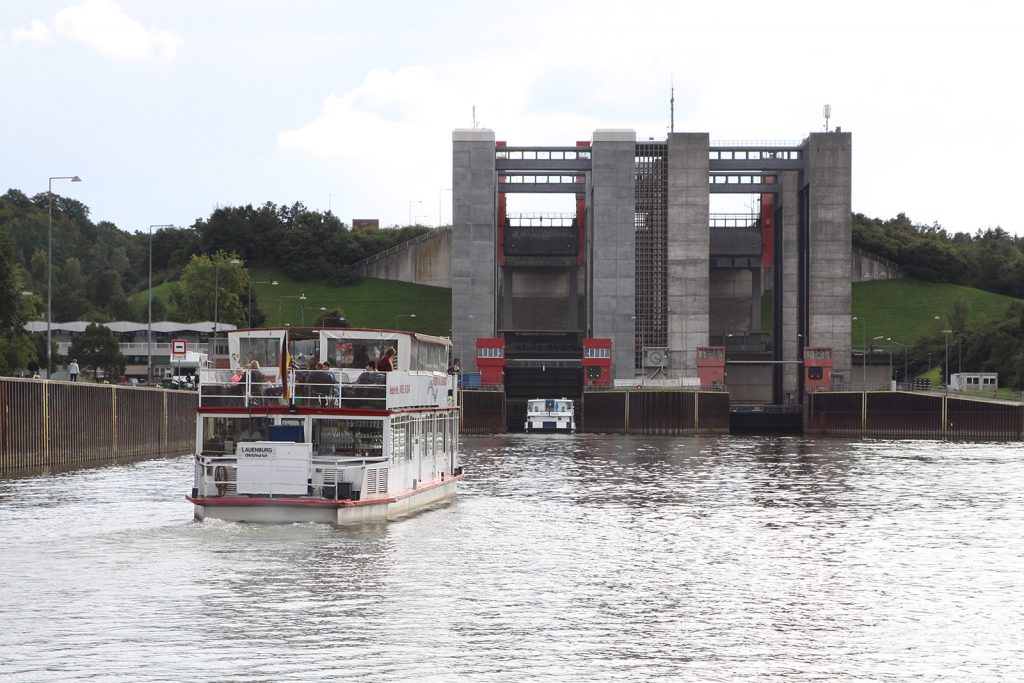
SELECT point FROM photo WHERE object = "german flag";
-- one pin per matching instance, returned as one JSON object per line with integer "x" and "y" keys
{"x": 286, "y": 361}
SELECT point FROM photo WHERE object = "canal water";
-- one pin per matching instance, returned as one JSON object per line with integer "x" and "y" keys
{"x": 565, "y": 558}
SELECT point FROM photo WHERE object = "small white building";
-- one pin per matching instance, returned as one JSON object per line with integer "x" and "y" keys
{"x": 974, "y": 381}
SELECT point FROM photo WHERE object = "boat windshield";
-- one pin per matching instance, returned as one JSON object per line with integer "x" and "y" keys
{"x": 549, "y": 405}
{"x": 356, "y": 353}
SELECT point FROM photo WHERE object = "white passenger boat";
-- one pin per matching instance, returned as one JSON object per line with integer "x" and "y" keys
{"x": 292, "y": 442}
{"x": 550, "y": 415}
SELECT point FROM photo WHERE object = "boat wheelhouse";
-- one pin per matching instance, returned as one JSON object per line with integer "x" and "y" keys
{"x": 300, "y": 430}
{"x": 550, "y": 415}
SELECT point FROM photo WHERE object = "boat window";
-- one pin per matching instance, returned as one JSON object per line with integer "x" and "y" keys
{"x": 536, "y": 406}
{"x": 355, "y": 353}
{"x": 263, "y": 350}
{"x": 348, "y": 438}
{"x": 220, "y": 434}
{"x": 429, "y": 356}
{"x": 401, "y": 439}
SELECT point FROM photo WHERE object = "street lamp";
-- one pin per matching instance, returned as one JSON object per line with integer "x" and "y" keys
{"x": 49, "y": 268}
{"x": 411, "y": 202}
{"x": 258, "y": 282}
{"x": 216, "y": 303}
{"x": 864, "y": 354}
{"x": 945, "y": 366}
{"x": 300, "y": 297}
{"x": 323, "y": 309}
{"x": 890, "y": 355}
{"x": 905, "y": 347}
{"x": 403, "y": 315}
{"x": 149, "y": 324}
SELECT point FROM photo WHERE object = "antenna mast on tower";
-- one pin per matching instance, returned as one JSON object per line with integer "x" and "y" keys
{"x": 828, "y": 113}
{"x": 672, "y": 108}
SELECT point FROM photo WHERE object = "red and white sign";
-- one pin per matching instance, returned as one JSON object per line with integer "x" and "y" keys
{"x": 178, "y": 347}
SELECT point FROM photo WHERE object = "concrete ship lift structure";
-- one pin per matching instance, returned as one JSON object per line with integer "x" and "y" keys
{"x": 643, "y": 284}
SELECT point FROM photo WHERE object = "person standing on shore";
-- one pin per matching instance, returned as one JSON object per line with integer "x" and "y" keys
{"x": 73, "y": 370}
{"x": 33, "y": 368}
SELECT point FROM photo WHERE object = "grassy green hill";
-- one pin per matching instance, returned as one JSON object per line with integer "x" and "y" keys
{"x": 371, "y": 303}
{"x": 905, "y": 309}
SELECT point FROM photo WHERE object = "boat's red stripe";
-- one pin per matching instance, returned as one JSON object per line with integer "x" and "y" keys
{"x": 284, "y": 501}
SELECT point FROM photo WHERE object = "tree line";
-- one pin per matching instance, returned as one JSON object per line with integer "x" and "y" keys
{"x": 98, "y": 266}
{"x": 990, "y": 259}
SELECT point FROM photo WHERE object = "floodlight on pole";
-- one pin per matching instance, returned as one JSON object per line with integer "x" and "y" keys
{"x": 280, "y": 300}
{"x": 905, "y": 347}
{"x": 945, "y": 366}
{"x": 49, "y": 268}
{"x": 216, "y": 303}
{"x": 272, "y": 283}
{"x": 863, "y": 343}
{"x": 149, "y": 316}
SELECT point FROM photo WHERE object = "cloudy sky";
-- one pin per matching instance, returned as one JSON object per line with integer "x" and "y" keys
{"x": 170, "y": 109}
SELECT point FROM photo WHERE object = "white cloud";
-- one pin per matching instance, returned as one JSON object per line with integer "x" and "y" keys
{"x": 105, "y": 27}
{"x": 37, "y": 33}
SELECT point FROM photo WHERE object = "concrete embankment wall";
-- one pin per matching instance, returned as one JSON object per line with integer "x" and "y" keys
{"x": 64, "y": 425}
{"x": 423, "y": 261}
{"x": 904, "y": 414}
{"x": 865, "y": 267}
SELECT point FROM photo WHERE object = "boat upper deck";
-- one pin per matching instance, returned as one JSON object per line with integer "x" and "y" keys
{"x": 328, "y": 368}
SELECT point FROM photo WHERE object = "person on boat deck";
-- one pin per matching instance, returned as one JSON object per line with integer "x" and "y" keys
{"x": 254, "y": 372}
{"x": 386, "y": 363}
{"x": 455, "y": 368}
{"x": 366, "y": 376}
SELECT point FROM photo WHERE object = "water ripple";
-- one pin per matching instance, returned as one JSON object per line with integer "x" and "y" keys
{"x": 571, "y": 558}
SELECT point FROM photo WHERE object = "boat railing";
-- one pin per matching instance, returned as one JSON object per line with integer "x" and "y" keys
{"x": 340, "y": 477}
{"x": 333, "y": 388}
{"x": 305, "y": 388}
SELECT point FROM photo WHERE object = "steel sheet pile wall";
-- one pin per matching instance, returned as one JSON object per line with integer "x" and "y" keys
{"x": 661, "y": 412}
{"x": 482, "y": 412}
{"x": 655, "y": 412}
{"x": 903, "y": 415}
{"x": 604, "y": 412}
{"x": 911, "y": 415}
{"x": 713, "y": 411}
{"x": 967, "y": 419}
{"x": 836, "y": 414}
{"x": 64, "y": 425}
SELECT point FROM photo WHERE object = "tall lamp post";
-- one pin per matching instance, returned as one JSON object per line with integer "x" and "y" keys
{"x": 49, "y": 269}
{"x": 945, "y": 366}
{"x": 273, "y": 283}
{"x": 216, "y": 303}
{"x": 863, "y": 347}
{"x": 323, "y": 309}
{"x": 411, "y": 202}
{"x": 403, "y": 315}
{"x": 905, "y": 347}
{"x": 280, "y": 299}
{"x": 149, "y": 323}
{"x": 890, "y": 355}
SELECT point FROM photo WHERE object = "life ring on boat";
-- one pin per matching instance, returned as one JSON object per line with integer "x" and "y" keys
{"x": 220, "y": 478}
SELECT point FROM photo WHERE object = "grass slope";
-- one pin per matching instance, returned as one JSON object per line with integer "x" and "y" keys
{"x": 371, "y": 303}
{"x": 905, "y": 309}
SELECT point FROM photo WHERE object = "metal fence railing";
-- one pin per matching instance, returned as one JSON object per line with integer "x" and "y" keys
{"x": 64, "y": 425}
